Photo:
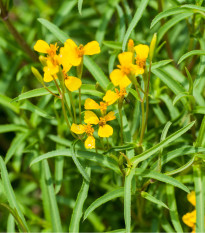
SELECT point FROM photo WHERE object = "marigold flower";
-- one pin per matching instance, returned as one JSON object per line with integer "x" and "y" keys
{"x": 90, "y": 104}
{"x": 71, "y": 82}
{"x": 120, "y": 77}
{"x": 111, "y": 96}
{"x": 43, "y": 47}
{"x": 80, "y": 129}
{"x": 142, "y": 52}
{"x": 104, "y": 129}
{"x": 73, "y": 54}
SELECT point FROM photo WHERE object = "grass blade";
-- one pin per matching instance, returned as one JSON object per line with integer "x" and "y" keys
{"x": 103, "y": 199}
{"x": 173, "y": 208}
{"x": 191, "y": 53}
{"x": 10, "y": 193}
{"x": 54, "y": 212}
{"x": 78, "y": 209}
{"x": 140, "y": 10}
{"x": 160, "y": 145}
{"x": 80, "y": 4}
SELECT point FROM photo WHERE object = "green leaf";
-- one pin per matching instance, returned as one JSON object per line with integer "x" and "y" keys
{"x": 191, "y": 53}
{"x": 105, "y": 19}
{"x": 200, "y": 201}
{"x": 127, "y": 200}
{"x": 173, "y": 208}
{"x": 27, "y": 105}
{"x": 153, "y": 199}
{"x": 134, "y": 93}
{"x": 11, "y": 128}
{"x": 161, "y": 177}
{"x": 77, "y": 162}
{"x": 159, "y": 64}
{"x": 166, "y": 27}
{"x": 199, "y": 110}
{"x": 35, "y": 93}
{"x": 10, "y": 224}
{"x": 194, "y": 7}
{"x": 119, "y": 192}
{"x": 135, "y": 160}
{"x": 62, "y": 36}
{"x": 54, "y": 212}
{"x": 90, "y": 89}
{"x": 80, "y": 4}
{"x": 172, "y": 84}
{"x": 10, "y": 193}
{"x": 113, "y": 44}
{"x": 6, "y": 102}
{"x": 138, "y": 14}
{"x": 96, "y": 72}
{"x": 180, "y": 96}
{"x": 78, "y": 209}
{"x": 166, "y": 13}
{"x": 104, "y": 161}
{"x": 117, "y": 231}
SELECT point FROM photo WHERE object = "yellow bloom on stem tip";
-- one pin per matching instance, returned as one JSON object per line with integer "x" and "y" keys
{"x": 142, "y": 52}
{"x": 90, "y": 104}
{"x": 120, "y": 76}
{"x": 104, "y": 130}
{"x": 111, "y": 96}
{"x": 80, "y": 129}
{"x": 73, "y": 54}
{"x": 43, "y": 47}
{"x": 130, "y": 46}
{"x": 72, "y": 83}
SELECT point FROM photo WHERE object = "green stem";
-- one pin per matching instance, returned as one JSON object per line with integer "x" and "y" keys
{"x": 72, "y": 104}
{"x": 121, "y": 122}
{"x": 142, "y": 123}
{"x": 80, "y": 105}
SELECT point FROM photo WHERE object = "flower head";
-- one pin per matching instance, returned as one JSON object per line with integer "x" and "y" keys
{"x": 88, "y": 129}
{"x": 104, "y": 130}
{"x": 73, "y": 54}
{"x": 142, "y": 52}
{"x": 111, "y": 96}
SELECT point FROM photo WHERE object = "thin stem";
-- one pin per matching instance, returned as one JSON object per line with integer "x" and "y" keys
{"x": 80, "y": 105}
{"x": 52, "y": 92}
{"x": 20, "y": 40}
{"x": 72, "y": 104}
{"x": 142, "y": 123}
{"x": 121, "y": 122}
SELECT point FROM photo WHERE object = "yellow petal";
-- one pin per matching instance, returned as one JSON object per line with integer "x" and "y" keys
{"x": 78, "y": 129}
{"x": 105, "y": 131}
{"x": 116, "y": 76}
{"x": 63, "y": 60}
{"x": 142, "y": 51}
{"x": 192, "y": 198}
{"x": 91, "y": 104}
{"x": 139, "y": 70}
{"x": 124, "y": 82}
{"x": 110, "y": 116}
{"x": 91, "y": 118}
{"x": 73, "y": 83}
{"x": 53, "y": 69}
{"x": 110, "y": 97}
{"x": 47, "y": 77}
{"x": 190, "y": 219}
{"x": 91, "y": 48}
{"x": 71, "y": 51}
{"x": 125, "y": 58}
{"x": 90, "y": 142}
{"x": 41, "y": 46}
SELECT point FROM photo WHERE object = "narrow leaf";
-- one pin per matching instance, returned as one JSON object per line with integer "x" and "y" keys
{"x": 191, "y": 53}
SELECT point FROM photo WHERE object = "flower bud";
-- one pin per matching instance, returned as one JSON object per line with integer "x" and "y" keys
{"x": 152, "y": 46}
{"x": 130, "y": 46}
{"x": 37, "y": 75}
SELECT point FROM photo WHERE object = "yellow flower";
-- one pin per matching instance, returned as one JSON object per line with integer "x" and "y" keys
{"x": 73, "y": 54}
{"x": 190, "y": 219}
{"x": 90, "y": 104}
{"x": 120, "y": 77}
{"x": 111, "y": 96}
{"x": 71, "y": 82}
{"x": 130, "y": 45}
{"x": 43, "y": 47}
{"x": 192, "y": 198}
{"x": 80, "y": 129}
{"x": 142, "y": 52}
{"x": 104, "y": 129}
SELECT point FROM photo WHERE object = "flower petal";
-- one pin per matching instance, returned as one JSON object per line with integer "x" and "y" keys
{"x": 73, "y": 83}
{"x": 91, "y": 118}
{"x": 63, "y": 60}
{"x": 192, "y": 198}
{"x": 47, "y": 77}
{"x": 142, "y": 51}
{"x": 71, "y": 51}
{"x": 124, "y": 82}
{"x": 105, "y": 131}
{"x": 91, "y": 48}
{"x": 91, "y": 104}
{"x": 116, "y": 76}
{"x": 90, "y": 142}
{"x": 110, "y": 116}
{"x": 110, "y": 97}
{"x": 78, "y": 129}
{"x": 41, "y": 46}
{"x": 125, "y": 58}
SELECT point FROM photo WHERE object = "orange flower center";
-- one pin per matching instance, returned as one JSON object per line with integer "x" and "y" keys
{"x": 89, "y": 130}
{"x": 125, "y": 69}
{"x": 103, "y": 106}
{"x": 80, "y": 50}
{"x": 122, "y": 93}
{"x": 52, "y": 50}
{"x": 102, "y": 121}
{"x": 140, "y": 62}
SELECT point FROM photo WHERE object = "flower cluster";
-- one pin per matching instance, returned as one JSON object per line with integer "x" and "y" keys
{"x": 63, "y": 59}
